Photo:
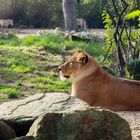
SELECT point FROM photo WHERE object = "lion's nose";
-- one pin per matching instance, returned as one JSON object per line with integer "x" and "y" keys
{"x": 59, "y": 68}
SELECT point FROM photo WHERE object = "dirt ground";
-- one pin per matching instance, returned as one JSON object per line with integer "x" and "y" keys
{"x": 133, "y": 117}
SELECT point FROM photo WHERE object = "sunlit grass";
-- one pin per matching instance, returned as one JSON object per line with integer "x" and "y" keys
{"x": 28, "y": 65}
{"x": 11, "y": 92}
{"x": 54, "y": 44}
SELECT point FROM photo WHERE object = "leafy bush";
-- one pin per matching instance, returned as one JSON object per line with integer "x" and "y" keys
{"x": 109, "y": 70}
{"x": 134, "y": 69}
{"x": 133, "y": 14}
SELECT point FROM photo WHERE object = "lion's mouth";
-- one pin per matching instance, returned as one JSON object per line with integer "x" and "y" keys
{"x": 66, "y": 76}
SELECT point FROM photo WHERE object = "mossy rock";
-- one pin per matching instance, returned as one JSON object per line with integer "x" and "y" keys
{"x": 89, "y": 124}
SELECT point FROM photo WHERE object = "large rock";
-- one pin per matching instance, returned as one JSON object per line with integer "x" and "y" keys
{"x": 20, "y": 114}
{"x": 89, "y": 124}
{"x": 62, "y": 117}
{"x": 6, "y": 132}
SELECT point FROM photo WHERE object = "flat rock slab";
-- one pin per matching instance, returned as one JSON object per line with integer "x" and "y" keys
{"x": 32, "y": 107}
{"x": 20, "y": 114}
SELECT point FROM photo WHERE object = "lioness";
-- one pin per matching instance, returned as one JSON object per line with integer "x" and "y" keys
{"x": 6, "y": 23}
{"x": 95, "y": 86}
{"x": 82, "y": 23}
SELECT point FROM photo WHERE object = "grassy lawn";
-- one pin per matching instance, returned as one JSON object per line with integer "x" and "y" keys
{"x": 29, "y": 65}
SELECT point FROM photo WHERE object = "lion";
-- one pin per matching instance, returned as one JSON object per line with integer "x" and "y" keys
{"x": 6, "y": 23}
{"x": 92, "y": 84}
{"x": 82, "y": 23}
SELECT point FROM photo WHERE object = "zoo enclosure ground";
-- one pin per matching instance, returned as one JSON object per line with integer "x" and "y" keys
{"x": 132, "y": 117}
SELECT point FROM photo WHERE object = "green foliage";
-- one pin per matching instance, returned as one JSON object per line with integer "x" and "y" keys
{"x": 110, "y": 46}
{"x": 35, "y": 13}
{"x": 91, "y": 11}
{"x": 133, "y": 68}
{"x": 7, "y": 35}
{"x": 56, "y": 42}
{"x": 11, "y": 92}
{"x": 11, "y": 42}
{"x": 29, "y": 40}
{"x": 7, "y": 74}
{"x": 49, "y": 13}
{"x": 107, "y": 20}
{"x": 29, "y": 64}
{"x": 16, "y": 63}
{"x": 122, "y": 39}
{"x": 133, "y": 14}
{"x": 109, "y": 70}
{"x": 51, "y": 84}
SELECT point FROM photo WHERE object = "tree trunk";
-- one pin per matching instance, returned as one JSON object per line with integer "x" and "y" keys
{"x": 69, "y": 12}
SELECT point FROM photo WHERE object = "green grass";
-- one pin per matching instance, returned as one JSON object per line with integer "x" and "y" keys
{"x": 11, "y": 91}
{"x": 29, "y": 65}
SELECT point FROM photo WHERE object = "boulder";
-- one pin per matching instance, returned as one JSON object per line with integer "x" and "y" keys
{"x": 89, "y": 124}
{"x": 58, "y": 116}
{"x": 6, "y": 132}
{"x": 20, "y": 114}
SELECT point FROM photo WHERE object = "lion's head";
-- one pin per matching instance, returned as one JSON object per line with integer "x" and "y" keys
{"x": 73, "y": 65}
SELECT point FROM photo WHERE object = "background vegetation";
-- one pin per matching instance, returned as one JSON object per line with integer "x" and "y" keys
{"x": 29, "y": 65}
{"x": 49, "y": 13}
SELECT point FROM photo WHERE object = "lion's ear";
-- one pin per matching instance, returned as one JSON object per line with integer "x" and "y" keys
{"x": 82, "y": 58}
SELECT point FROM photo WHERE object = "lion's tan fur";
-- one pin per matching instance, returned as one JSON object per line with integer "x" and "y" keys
{"x": 82, "y": 23}
{"x": 98, "y": 88}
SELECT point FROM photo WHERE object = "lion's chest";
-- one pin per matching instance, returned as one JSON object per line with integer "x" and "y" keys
{"x": 86, "y": 90}
{"x": 91, "y": 90}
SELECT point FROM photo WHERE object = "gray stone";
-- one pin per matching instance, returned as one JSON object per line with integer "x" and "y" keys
{"x": 89, "y": 124}
{"x": 6, "y": 132}
{"x": 20, "y": 114}
{"x": 62, "y": 117}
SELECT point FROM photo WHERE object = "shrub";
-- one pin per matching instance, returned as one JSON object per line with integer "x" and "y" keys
{"x": 133, "y": 68}
{"x": 109, "y": 70}
{"x": 12, "y": 95}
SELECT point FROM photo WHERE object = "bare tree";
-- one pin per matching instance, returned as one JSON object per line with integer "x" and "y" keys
{"x": 69, "y": 12}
